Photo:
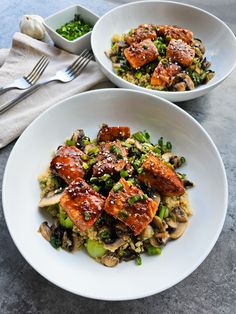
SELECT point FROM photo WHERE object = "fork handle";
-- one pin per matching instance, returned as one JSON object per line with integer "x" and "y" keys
{"x": 19, "y": 98}
{"x": 6, "y": 89}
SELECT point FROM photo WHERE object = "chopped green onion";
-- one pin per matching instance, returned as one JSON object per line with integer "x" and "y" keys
{"x": 137, "y": 164}
{"x": 151, "y": 250}
{"x": 84, "y": 157}
{"x": 160, "y": 141}
{"x": 87, "y": 215}
{"x": 64, "y": 219}
{"x": 116, "y": 151}
{"x": 70, "y": 143}
{"x": 105, "y": 234}
{"x": 92, "y": 161}
{"x": 85, "y": 166}
{"x": 138, "y": 74}
{"x": 93, "y": 179}
{"x": 123, "y": 214}
{"x": 105, "y": 177}
{"x": 93, "y": 151}
{"x": 168, "y": 145}
{"x": 96, "y": 187}
{"x": 161, "y": 211}
{"x": 142, "y": 137}
{"x": 182, "y": 159}
{"x": 117, "y": 186}
{"x": 136, "y": 198}
{"x": 157, "y": 150}
{"x": 138, "y": 260}
{"x": 140, "y": 170}
{"x": 124, "y": 173}
{"x": 55, "y": 241}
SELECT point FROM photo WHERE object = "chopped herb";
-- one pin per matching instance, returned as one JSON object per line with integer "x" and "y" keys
{"x": 74, "y": 29}
{"x": 138, "y": 260}
{"x": 70, "y": 143}
{"x": 151, "y": 250}
{"x": 136, "y": 198}
{"x": 85, "y": 166}
{"x": 142, "y": 137}
{"x": 117, "y": 186}
{"x": 161, "y": 211}
{"x": 138, "y": 74}
{"x": 182, "y": 159}
{"x": 124, "y": 173}
{"x": 157, "y": 150}
{"x": 116, "y": 151}
{"x": 168, "y": 145}
{"x": 87, "y": 215}
{"x": 123, "y": 214}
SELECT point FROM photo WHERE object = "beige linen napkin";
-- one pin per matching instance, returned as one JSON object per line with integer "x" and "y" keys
{"x": 21, "y": 58}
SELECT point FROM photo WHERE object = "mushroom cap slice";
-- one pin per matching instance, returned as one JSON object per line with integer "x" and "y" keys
{"x": 181, "y": 227}
{"x": 109, "y": 261}
{"x": 115, "y": 245}
{"x": 49, "y": 200}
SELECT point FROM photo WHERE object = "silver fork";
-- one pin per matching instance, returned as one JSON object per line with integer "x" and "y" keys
{"x": 64, "y": 76}
{"x": 28, "y": 80}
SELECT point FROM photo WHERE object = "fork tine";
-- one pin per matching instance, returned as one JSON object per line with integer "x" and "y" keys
{"x": 28, "y": 77}
{"x": 81, "y": 66}
{"x": 40, "y": 71}
{"x": 81, "y": 61}
{"x": 83, "y": 54}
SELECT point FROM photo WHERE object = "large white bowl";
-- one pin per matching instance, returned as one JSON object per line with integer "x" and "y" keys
{"x": 79, "y": 273}
{"x": 219, "y": 40}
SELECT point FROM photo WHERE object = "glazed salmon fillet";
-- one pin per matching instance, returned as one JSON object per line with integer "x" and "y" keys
{"x": 157, "y": 175}
{"x": 111, "y": 158}
{"x": 144, "y": 31}
{"x": 175, "y": 33}
{"x": 141, "y": 53}
{"x": 136, "y": 215}
{"x": 112, "y": 133}
{"x": 82, "y": 204}
{"x": 67, "y": 163}
{"x": 179, "y": 51}
{"x": 163, "y": 74}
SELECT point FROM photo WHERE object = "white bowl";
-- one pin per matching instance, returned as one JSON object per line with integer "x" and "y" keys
{"x": 77, "y": 272}
{"x": 219, "y": 40}
{"x": 55, "y": 21}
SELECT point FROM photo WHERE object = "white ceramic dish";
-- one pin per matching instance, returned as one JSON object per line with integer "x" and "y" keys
{"x": 53, "y": 22}
{"x": 219, "y": 40}
{"x": 79, "y": 273}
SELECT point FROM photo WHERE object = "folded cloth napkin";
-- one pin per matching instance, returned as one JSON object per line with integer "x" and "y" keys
{"x": 20, "y": 60}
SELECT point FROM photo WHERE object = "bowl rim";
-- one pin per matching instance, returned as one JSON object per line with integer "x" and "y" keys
{"x": 64, "y": 10}
{"x": 157, "y": 92}
{"x": 189, "y": 270}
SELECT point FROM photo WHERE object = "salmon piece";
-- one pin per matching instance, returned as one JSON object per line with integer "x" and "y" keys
{"x": 179, "y": 51}
{"x": 137, "y": 215}
{"x": 82, "y": 204}
{"x": 144, "y": 31}
{"x": 157, "y": 175}
{"x": 164, "y": 73}
{"x": 112, "y": 133}
{"x": 111, "y": 159}
{"x": 67, "y": 163}
{"x": 175, "y": 33}
{"x": 141, "y": 53}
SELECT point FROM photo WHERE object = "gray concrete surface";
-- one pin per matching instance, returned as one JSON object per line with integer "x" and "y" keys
{"x": 212, "y": 287}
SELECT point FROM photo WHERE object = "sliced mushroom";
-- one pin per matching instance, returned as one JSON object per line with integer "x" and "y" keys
{"x": 147, "y": 233}
{"x": 109, "y": 261}
{"x": 181, "y": 227}
{"x": 174, "y": 160}
{"x": 121, "y": 229}
{"x": 161, "y": 238}
{"x": 209, "y": 76}
{"x": 67, "y": 243}
{"x": 180, "y": 87}
{"x": 115, "y": 245}
{"x": 50, "y": 199}
{"x": 171, "y": 223}
{"x": 159, "y": 224}
{"x": 198, "y": 43}
{"x": 78, "y": 136}
{"x": 77, "y": 241}
{"x": 45, "y": 230}
{"x": 156, "y": 197}
{"x": 185, "y": 78}
{"x": 180, "y": 214}
{"x": 153, "y": 242}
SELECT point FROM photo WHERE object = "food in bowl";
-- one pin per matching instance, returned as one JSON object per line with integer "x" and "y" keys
{"x": 118, "y": 195}
{"x": 75, "y": 28}
{"x": 160, "y": 57}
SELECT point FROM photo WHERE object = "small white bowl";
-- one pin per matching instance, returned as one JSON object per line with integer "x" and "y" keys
{"x": 78, "y": 272}
{"x": 55, "y": 21}
{"x": 217, "y": 37}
